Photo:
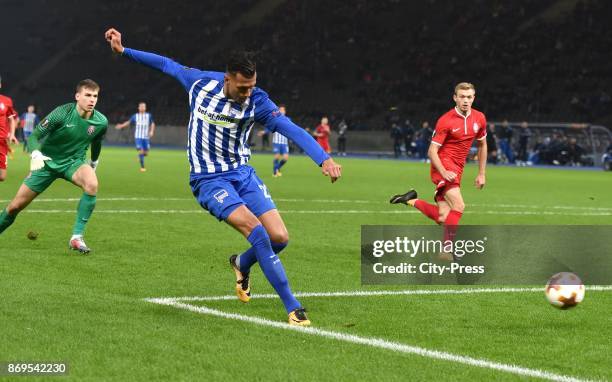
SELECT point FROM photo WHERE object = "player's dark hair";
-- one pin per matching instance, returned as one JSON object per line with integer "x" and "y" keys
{"x": 241, "y": 62}
{"x": 87, "y": 83}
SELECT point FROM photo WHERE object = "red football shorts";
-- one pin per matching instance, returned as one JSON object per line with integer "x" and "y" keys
{"x": 324, "y": 145}
{"x": 4, "y": 148}
{"x": 442, "y": 186}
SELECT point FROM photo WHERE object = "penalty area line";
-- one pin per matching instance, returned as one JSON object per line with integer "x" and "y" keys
{"x": 372, "y": 342}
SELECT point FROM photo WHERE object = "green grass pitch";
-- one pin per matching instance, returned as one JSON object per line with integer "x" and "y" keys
{"x": 150, "y": 238}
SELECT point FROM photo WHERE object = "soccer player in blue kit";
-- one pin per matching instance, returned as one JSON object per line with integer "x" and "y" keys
{"x": 144, "y": 128}
{"x": 224, "y": 107}
{"x": 280, "y": 147}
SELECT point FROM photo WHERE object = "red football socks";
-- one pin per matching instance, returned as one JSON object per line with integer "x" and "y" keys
{"x": 450, "y": 225}
{"x": 429, "y": 210}
{"x": 453, "y": 218}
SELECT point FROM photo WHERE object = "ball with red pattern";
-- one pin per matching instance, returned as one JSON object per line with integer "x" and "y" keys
{"x": 564, "y": 290}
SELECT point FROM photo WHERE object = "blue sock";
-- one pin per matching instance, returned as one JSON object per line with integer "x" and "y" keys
{"x": 275, "y": 166}
{"x": 141, "y": 157}
{"x": 272, "y": 268}
{"x": 248, "y": 258}
{"x": 281, "y": 163}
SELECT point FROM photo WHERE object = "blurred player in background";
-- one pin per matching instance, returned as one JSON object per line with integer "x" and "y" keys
{"x": 8, "y": 124}
{"x": 224, "y": 108}
{"x": 29, "y": 120}
{"x": 144, "y": 129}
{"x": 450, "y": 145}
{"x": 280, "y": 148}
{"x": 58, "y": 146}
{"x": 322, "y": 133}
{"x": 342, "y": 130}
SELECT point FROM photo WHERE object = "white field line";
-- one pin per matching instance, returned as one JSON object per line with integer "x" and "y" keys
{"x": 333, "y": 212}
{"x": 369, "y": 293}
{"x": 136, "y": 199}
{"x": 331, "y": 201}
{"x": 551, "y": 213}
{"x": 379, "y": 342}
{"x": 530, "y": 206}
{"x": 98, "y": 211}
{"x": 127, "y": 199}
{"x": 119, "y": 199}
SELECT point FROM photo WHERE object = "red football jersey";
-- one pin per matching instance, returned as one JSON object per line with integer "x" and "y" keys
{"x": 323, "y": 132}
{"x": 6, "y": 112}
{"x": 455, "y": 134}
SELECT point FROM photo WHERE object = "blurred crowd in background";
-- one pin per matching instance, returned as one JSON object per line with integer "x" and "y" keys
{"x": 357, "y": 62}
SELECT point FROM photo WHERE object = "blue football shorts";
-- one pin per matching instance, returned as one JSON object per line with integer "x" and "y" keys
{"x": 280, "y": 148}
{"x": 142, "y": 144}
{"x": 220, "y": 194}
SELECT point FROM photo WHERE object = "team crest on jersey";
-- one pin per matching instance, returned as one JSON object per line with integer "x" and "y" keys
{"x": 90, "y": 130}
{"x": 233, "y": 112}
{"x": 475, "y": 127}
{"x": 2, "y": 106}
{"x": 221, "y": 195}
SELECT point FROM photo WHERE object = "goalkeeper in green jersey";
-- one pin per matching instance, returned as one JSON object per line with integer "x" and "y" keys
{"x": 58, "y": 146}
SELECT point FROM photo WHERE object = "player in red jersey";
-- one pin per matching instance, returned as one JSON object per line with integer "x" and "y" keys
{"x": 8, "y": 123}
{"x": 453, "y": 137}
{"x": 322, "y": 133}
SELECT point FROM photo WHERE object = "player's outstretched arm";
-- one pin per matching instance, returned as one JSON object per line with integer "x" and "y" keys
{"x": 267, "y": 113}
{"x": 186, "y": 76}
{"x": 122, "y": 125}
{"x": 301, "y": 138}
{"x": 34, "y": 139}
{"x": 44, "y": 128}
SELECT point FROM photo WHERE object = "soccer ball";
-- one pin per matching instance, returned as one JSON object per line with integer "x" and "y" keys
{"x": 564, "y": 290}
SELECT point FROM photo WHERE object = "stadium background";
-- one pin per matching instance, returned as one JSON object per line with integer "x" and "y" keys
{"x": 375, "y": 65}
